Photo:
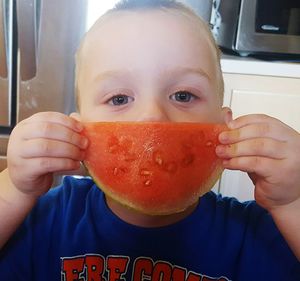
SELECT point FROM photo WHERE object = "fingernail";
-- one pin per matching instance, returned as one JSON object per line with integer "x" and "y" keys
{"x": 79, "y": 127}
{"x": 223, "y": 137}
{"x": 84, "y": 143}
{"x": 231, "y": 125}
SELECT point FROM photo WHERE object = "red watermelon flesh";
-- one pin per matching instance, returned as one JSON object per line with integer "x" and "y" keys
{"x": 153, "y": 167}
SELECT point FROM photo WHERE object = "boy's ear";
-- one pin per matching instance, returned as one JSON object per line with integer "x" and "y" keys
{"x": 75, "y": 116}
{"x": 226, "y": 115}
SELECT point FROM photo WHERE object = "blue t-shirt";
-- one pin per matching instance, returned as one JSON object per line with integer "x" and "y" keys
{"x": 71, "y": 234}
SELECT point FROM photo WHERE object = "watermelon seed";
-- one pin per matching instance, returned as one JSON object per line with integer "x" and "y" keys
{"x": 171, "y": 167}
{"x": 145, "y": 172}
{"x": 113, "y": 148}
{"x": 187, "y": 160}
{"x": 158, "y": 158}
{"x": 119, "y": 170}
{"x": 147, "y": 182}
{"x": 123, "y": 169}
{"x": 130, "y": 157}
{"x": 115, "y": 171}
{"x": 209, "y": 143}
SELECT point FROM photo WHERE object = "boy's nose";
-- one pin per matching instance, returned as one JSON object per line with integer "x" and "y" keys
{"x": 154, "y": 112}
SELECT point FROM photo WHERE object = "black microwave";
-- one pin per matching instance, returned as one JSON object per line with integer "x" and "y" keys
{"x": 267, "y": 27}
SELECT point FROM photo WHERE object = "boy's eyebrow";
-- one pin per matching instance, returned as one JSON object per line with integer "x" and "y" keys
{"x": 183, "y": 70}
{"x": 178, "y": 71}
{"x": 110, "y": 73}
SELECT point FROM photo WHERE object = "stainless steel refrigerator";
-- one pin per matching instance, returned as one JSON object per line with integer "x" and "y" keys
{"x": 38, "y": 40}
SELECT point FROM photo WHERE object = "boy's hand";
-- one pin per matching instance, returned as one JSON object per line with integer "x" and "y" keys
{"x": 269, "y": 151}
{"x": 45, "y": 143}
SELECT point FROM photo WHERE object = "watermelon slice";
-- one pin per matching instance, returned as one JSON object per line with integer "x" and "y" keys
{"x": 153, "y": 167}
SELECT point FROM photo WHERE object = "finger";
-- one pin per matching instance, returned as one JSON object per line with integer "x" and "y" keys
{"x": 253, "y": 164}
{"x": 44, "y": 165}
{"x": 51, "y": 148}
{"x": 81, "y": 171}
{"x": 256, "y": 130}
{"x": 56, "y": 117}
{"x": 254, "y": 147}
{"x": 254, "y": 118}
{"x": 54, "y": 131}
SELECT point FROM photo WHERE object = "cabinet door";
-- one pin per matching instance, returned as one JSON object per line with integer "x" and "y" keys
{"x": 274, "y": 96}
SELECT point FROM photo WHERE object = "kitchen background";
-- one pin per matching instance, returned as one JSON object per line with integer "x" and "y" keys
{"x": 260, "y": 40}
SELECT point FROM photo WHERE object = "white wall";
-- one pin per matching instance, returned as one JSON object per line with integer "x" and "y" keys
{"x": 96, "y": 8}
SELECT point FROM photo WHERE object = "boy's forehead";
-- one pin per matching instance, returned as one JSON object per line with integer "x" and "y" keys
{"x": 112, "y": 25}
{"x": 149, "y": 46}
{"x": 153, "y": 43}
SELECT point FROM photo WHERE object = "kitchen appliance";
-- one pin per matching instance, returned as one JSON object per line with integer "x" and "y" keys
{"x": 268, "y": 27}
{"x": 38, "y": 40}
{"x": 202, "y": 8}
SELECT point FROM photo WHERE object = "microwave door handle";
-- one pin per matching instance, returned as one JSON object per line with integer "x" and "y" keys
{"x": 27, "y": 38}
{"x": 3, "y": 41}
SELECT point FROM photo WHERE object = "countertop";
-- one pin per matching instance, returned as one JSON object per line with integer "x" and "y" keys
{"x": 240, "y": 65}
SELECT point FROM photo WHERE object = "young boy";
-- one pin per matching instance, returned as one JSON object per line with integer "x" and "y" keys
{"x": 148, "y": 61}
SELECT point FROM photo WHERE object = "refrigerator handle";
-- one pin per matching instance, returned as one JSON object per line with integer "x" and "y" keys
{"x": 3, "y": 41}
{"x": 27, "y": 38}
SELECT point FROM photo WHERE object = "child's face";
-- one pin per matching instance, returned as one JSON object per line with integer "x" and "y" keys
{"x": 149, "y": 66}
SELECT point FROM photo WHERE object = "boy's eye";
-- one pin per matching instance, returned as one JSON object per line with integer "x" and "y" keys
{"x": 120, "y": 100}
{"x": 182, "y": 96}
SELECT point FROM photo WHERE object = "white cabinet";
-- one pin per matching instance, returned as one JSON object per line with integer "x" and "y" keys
{"x": 245, "y": 94}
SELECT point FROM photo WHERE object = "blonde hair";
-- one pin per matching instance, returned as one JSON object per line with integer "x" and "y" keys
{"x": 149, "y": 5}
